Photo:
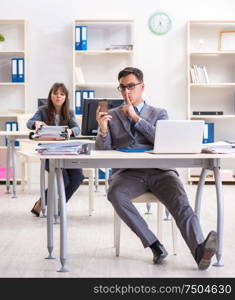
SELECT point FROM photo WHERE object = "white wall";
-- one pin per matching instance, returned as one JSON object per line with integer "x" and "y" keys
{"x": 162, "y": 58}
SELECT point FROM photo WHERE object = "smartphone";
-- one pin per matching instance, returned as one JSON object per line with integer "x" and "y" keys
{"x": 103, "y": 105}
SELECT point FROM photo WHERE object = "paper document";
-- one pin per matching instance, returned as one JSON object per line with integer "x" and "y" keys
{"x": 218, "y": 147}
{"x": 50, "y": 133}
{"x": 70, "y": 148}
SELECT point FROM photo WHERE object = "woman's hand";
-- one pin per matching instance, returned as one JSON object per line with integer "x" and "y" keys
{"x": 102, "y": 118}
{"x": 38, "y": 124}
{"x": 70, "y": 132}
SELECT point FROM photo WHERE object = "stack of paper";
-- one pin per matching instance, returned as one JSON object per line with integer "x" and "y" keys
{"x": 70, "y": 148}
{"x": 219, "y": 147}
{"x": 51, "y": 133}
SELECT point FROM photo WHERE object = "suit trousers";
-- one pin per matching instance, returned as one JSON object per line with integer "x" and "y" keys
{"x": 167, "y": 187}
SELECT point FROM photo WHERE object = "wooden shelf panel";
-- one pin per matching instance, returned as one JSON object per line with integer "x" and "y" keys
{"x": 100, "y": 52}
{"x": 213, "y": 85}
{"x": 208, "y": 179}
{"x": 212, "y": 116}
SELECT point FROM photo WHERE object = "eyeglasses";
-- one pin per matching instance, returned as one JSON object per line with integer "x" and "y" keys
{"x": 129, "y": 86}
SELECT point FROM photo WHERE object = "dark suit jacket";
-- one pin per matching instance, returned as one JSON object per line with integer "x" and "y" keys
{"x": 40, "y": 115}
{"x": 120, "y": 135}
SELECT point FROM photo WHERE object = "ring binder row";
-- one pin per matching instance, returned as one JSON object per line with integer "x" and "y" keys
{"x": 11, "y": 126}
{"x": 17, "y": 70}
{"x": 80, "y": 95}
{"x": 81, "y": 37}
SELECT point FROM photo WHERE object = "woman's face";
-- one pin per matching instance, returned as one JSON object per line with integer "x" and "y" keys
{"x": 58, "y": 98}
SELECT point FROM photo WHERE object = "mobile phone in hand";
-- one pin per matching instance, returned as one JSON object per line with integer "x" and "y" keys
{"x": 103, "y": 105}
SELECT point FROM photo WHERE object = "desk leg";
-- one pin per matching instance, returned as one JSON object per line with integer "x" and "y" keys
{"x": 63, "y": 220}
{"x": 8, "y": 166}
{"x": 56, "y": 214}
{"x": 200, "y": 186}
{"x": 42, "y": 186}
{"x": 106, "y": 180}
{"x": 13, "y": 155}
{"x": 96, "y": 179}
{"x": 50, "y": 207}
{"x": 220, "y": 215}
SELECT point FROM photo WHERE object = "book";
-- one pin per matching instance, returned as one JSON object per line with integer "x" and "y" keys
{"x": 79, "y": 77}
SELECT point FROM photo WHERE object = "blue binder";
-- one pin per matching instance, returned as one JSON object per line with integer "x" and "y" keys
{"x": 14, "y": 70}
{"x": 91, "y": 94}
{"x": 78, "y": 45}
{"x": 78, "y": 102}
{"x": 20, "y": 69}
{"x": 208, "y": 135}
{"x": 83, "y": 37}
{"x": 11, "y": 126}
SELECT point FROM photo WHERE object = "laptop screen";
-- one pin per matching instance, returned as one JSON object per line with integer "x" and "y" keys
{"x": 178, "y": 136}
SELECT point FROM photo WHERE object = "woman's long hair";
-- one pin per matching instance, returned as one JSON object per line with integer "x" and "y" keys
{"x": 64, "y": 114}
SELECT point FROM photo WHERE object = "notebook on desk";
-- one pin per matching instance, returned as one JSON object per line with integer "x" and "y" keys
{"x": 178, "y": 136}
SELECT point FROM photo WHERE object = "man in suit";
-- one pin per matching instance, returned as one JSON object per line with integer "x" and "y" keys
{"x": 132, "y": 126}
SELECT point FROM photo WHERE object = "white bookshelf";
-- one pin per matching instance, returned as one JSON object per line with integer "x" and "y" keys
{"x": 13, "y": 95}
{"x": 219, "y": 93}
{"x": 99, "y": 65}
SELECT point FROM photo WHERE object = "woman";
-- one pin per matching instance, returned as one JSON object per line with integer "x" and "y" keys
{"x": 57, "y": 112}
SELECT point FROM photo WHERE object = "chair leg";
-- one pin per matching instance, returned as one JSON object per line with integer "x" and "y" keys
{"x": 91, "y": 192}
{"x": 117, "y": 232}
{"x": 174, "y": 235}
{"x": 160, "y": 212}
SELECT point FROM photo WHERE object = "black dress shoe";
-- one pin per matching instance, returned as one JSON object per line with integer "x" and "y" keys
{"x": 206, "y": 250}
{"x": 159, "y": 252}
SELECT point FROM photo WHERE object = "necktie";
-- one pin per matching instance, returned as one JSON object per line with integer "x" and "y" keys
{"x": 132, "y": 124}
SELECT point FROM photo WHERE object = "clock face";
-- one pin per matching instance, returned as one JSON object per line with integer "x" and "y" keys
{"x": 160, "y": 23}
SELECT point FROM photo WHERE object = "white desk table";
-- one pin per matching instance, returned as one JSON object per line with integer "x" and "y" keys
{"x": 116, "y": 159}
{"x": 12, "y": 136}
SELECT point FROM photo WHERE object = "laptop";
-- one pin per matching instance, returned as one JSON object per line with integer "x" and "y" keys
{"x": 178, "y": 136}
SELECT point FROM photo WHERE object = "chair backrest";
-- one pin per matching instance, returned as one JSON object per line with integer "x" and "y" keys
{"x": 22, "y": 120}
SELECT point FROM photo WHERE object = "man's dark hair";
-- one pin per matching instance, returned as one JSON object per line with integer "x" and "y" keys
{"x": 129, "y": 70}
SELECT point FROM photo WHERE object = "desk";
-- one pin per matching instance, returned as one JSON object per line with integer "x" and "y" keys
{"x": 12, "y": 136}
{"x": 116, "y": 159}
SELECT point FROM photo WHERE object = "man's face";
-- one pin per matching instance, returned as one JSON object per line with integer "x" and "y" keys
{"x": 131, "y": 88}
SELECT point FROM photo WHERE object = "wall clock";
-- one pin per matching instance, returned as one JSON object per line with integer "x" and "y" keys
{"x": 160, "y": 23}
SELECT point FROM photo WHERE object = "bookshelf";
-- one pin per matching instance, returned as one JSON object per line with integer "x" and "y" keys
{"x": 13, "y": 95}
{"x": 218, "y": 94}
{"x": 110, "y": 48}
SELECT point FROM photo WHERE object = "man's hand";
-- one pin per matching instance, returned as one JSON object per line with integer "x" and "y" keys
{"x": 128, "y": 110}
{"x": 38, "y": 124}
{"x": 102, "y": 118}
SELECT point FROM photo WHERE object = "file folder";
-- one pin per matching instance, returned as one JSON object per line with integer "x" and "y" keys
{"x": 14, "y": 70}
{"x": 91, "y": 94}
{"x": 83, "y": 37}
{"x": 11, "y": 126}
{"x": 208, "y": 134}
{"x": 78, "y": 101}
{"x": 20, "y": 69}
{"x": 85, "y": 95}
{"x": 78, "y": 45}
{"x": 14, "y": 127}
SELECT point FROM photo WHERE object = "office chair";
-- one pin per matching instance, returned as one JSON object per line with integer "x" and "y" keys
{"x": 146, "y": 198}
